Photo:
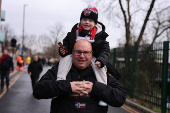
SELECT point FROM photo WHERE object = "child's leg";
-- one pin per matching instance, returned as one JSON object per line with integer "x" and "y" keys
{"x": 100, "y": 73}
{"x": 101, "y": 76}
{"x": 64, "y": 67}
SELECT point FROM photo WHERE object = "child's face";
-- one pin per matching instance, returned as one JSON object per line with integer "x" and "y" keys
{"x": 87, "y": 24}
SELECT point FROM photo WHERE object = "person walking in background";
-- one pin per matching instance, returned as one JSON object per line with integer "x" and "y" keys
{"x": 34, "y": 70}
{"x": 19, "y": 63}
{"x": 6, "y": 63}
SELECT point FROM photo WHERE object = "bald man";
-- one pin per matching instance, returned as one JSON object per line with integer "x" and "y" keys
{"x": 80, "y": 92}
{"x": 34, "y": 70}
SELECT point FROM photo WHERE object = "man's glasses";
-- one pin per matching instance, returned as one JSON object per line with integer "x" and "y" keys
{"x": 85, "y": 53}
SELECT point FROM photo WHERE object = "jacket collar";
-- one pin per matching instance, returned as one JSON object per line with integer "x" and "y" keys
{"x": 100, "y": 30}
{"x": 84, "y": 72}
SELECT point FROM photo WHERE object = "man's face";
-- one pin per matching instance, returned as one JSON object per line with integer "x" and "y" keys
{"x": 81, "y": 61}
{"x": 35, "y": 58}
{"x": 87, "y": 24}
{"x": 5, "y": 52}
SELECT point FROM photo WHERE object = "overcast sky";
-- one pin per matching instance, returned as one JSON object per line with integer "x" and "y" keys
{"x": 41, "y": 14}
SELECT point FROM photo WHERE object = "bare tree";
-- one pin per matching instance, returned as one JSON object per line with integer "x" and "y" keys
{"x": 43, "y": 41}
{"x": 161, "y": 23}
{"x": 48, "y": 43}
{"x": 56, "y": 33}
{"x": 8, "y": 34}
{"x": 51, "y": 51}
{"x": 133, "y": 17}
{"x": 30, "y": 40}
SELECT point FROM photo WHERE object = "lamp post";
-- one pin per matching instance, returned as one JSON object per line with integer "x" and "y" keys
{"x": 23, "y": 29}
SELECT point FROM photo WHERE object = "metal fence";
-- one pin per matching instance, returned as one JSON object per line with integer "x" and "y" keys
{"x": 145, "y": 73}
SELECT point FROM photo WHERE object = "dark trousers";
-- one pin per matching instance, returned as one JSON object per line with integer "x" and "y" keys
{"x": 34, "y": 80}
{"x": 4, "y": 74}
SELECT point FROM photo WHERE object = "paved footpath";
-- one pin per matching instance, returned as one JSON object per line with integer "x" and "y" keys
{"x": 19, "y": 98}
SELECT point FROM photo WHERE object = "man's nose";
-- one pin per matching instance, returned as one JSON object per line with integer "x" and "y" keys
{"x": 81, "y": 55}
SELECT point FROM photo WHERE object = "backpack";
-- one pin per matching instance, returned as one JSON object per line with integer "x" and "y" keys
{"x": 111, "y": 70}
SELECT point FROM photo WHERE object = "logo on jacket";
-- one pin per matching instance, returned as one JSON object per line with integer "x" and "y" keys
{"x": 80, "y": 105}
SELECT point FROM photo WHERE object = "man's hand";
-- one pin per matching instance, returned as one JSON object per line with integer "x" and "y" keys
{"x": 87, "y": 86}
{"x": 98, "y": 64}
{"x": 30, "y": 73}
{"x": 81, "y": 87}
{"x": 77, "y": 87}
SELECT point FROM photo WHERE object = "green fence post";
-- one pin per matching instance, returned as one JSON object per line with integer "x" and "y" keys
{"x": 164, "y": 76}
{"x": 132, "y": 71}
{"x": 114, "y": 57}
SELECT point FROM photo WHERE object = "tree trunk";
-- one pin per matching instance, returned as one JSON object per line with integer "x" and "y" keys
{"x": 144, "y": 24}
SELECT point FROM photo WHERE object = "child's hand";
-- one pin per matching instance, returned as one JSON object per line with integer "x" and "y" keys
{"x": 98, "y": 64}
{"x": 63, "y": 52}
{"x": 30, "y": 73}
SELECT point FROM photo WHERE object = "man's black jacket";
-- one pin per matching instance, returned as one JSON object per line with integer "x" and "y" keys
{"x": 47, "y": 87}
{"x": 35, "y": 68}
{"x": 6, "y": 64}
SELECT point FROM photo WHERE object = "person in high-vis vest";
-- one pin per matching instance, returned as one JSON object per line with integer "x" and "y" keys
{"x": 19, "y": 63}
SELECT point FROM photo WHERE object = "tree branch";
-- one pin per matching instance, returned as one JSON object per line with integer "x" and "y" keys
{"x": 125, "y": 18}
{"x": 145, "y": 22}
{"x": 163, "y": 31}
